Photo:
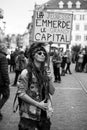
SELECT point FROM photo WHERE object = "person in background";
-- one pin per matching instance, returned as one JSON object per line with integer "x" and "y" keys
{"x": 79, "y": 61}
{"x": 4, "y": 77}
{"x": 20, "y": 64}
{"x": 26, "y": 52}
{"x": 34, "y": 89}
{"x": 68, "y": 62}
{"x": 12, "y": 62}
{"x": 84, "y": 60}
{"x": 57, "y": 59}
{"x": 63, "y": 64}
{"x": 16, "y": 53}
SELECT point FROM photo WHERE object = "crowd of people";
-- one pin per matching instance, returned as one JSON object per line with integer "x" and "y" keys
{"x": 61, "y": 62}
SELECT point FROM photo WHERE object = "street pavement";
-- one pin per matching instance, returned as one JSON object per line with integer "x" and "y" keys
{"x": 69, "y": 103}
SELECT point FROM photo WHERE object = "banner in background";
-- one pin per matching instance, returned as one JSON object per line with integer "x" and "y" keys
{"x": 52, "y": 26}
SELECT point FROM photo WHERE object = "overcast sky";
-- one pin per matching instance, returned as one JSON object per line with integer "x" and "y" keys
{"x": 17, "y": 14}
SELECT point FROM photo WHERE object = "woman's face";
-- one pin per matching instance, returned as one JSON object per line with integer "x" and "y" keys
{"x": 40, "y": 56}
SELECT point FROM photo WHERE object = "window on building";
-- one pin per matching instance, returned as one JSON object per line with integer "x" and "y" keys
{"x": 69, "y": 4}
{"x": 61, "y": 4}
{"x": 78, "y": 37}
{"x": 82, "y": 17}
{"x": 78, "y": 4}
{"x": 71, "y": 38}
{"x": 78, "y": 17}
{"x": 74, "y": 17}
{"x": 77, "y": 27}
{"x": 85, "y": 16}
{"x": 85, "y": 38}
{"x": 85, "y": 27}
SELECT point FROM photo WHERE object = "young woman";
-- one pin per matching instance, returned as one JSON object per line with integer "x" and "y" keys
{"x": 34, "y": 90}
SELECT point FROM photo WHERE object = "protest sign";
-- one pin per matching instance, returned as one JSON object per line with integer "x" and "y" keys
{"x": 52, "y": 26}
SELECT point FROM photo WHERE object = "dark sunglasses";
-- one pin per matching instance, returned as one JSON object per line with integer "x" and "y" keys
{"x": 41, "y": 52}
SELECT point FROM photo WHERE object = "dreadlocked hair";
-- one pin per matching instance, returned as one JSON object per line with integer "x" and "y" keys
{"x": 34, "y": 48}
{"x": 40, "y": 74}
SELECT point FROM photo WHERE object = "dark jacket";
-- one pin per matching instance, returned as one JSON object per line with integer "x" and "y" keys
{"x": 4, "y": 77}
{"x": 57, "y": 59}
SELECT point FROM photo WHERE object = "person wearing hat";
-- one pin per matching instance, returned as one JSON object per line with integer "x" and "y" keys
{"x": 4, "y": 77}
{"x": 34, "y": 90}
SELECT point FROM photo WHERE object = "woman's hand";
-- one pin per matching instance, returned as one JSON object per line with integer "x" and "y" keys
{"x": 43, "y": 105}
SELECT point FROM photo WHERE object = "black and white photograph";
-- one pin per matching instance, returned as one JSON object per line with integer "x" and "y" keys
{"x": 43, "y": 64}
